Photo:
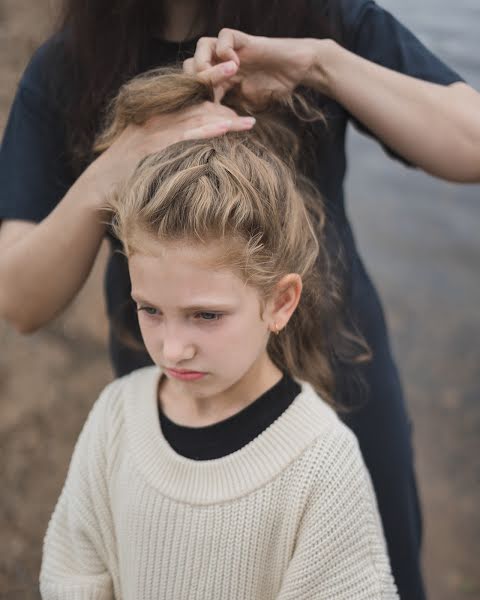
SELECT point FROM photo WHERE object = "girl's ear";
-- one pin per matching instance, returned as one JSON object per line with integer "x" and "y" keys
{"x": 283, "y": 302}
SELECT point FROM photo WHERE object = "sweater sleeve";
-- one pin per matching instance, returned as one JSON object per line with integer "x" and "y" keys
{"x": 79, "y": 543}
{"x": 340, "y": 551}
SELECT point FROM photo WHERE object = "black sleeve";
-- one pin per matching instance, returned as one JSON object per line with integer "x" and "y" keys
{"x": 373, "y": 33}
{"x": 34, "y": 171}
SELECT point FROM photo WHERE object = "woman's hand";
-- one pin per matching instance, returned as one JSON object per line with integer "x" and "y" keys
{"x": 261, "y": 66}
{"x": 202, "y": 121}
{"x": 412, "y": 117}
{"x": 43, "y": 266}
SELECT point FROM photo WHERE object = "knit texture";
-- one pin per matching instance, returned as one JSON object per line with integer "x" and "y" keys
{"x": 290, "y": 516}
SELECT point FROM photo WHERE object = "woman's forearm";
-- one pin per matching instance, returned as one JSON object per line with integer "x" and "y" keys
{"x": 43, "y": 269}
{"x": 41, "y": 272}
{"x": 434, "y": 127}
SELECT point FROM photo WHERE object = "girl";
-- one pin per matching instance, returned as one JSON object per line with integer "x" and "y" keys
{"x": 380, "y": 77}
{"x": 250, "y": 486}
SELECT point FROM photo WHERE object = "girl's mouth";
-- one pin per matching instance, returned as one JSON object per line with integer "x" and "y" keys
{"x": 185, "y": 375}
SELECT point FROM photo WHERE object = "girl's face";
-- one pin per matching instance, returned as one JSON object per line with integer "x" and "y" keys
{"x": 203, "y": 326}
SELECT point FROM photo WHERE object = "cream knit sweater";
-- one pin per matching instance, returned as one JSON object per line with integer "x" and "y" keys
{"x": 291, "y": 515}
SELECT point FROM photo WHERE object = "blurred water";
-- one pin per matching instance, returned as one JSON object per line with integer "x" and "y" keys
{"x": 450, "y": 28}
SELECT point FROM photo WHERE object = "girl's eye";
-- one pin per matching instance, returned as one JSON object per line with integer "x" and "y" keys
{"x": 209, "y": 316}
{"x": 148, "y": 310}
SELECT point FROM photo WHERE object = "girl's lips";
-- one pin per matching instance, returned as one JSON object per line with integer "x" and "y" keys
{"x": 185, "y": 375}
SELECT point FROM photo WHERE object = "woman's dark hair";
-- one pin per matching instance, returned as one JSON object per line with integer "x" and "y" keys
{"x": 105, "y": 41}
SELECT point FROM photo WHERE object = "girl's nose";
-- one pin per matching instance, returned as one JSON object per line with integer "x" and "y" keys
{"x": 176, "y": 350}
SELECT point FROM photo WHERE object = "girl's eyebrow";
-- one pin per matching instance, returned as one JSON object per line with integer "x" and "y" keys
{"x": 207, "y": 305}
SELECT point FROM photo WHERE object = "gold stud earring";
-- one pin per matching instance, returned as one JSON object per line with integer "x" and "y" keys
{"x": 277, "y": 329}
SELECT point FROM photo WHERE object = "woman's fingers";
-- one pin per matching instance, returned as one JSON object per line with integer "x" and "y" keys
{"x": 219, "y": 127}
{"x": 261, "y": 65}
{"x": 189, "y": 66}
{"x": 220, "y": 77}
{"x": 219, "y": 74}
{"x": 228, "y": 43}
{"x": 210, "y": 51}
{"x": 242, "y": 123}
{"x": 204, "y": 56}
{"x": 216, "y": 60}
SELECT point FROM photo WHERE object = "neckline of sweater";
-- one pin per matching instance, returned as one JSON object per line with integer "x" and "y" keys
{"x": 229, "y": 477}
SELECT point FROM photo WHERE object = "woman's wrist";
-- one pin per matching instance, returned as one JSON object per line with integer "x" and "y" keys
{"x": 93, "y": 189}
{"x": 325, "y": 57}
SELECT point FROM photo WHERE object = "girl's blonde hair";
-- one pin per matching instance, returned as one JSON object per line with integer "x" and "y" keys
{"x": 242, "y": 189}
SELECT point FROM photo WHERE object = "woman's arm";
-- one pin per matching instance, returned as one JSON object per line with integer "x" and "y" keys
{"x": 44, "y": 265}
{"x": 433, "y": 126}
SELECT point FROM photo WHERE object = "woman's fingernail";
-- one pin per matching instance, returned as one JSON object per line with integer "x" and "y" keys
{"x": 229, "y": 67}
{"x": 249, "y": 121}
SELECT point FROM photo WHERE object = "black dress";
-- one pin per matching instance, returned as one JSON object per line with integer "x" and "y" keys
{"x": 34, "y": 176}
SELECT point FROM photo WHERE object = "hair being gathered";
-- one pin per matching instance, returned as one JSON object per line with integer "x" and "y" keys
{"x": 244, "y": 189}
{"x": 106, "y": 42}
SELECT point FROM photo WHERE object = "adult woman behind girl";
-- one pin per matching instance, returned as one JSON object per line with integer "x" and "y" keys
{"x": 56, "y": 114}
{"x": 235, "y": 299}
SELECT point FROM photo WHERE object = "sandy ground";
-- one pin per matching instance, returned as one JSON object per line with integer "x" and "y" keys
{"x": 49, "y": 380}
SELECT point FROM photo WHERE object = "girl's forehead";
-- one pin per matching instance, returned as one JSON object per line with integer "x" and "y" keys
{"x": 179, "y": 273}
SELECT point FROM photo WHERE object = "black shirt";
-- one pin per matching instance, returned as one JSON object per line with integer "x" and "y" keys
{"x": 229, "y": 435}
{"x": 34, "y": 171}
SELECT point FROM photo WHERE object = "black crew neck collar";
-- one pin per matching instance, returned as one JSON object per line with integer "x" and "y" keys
{"x": 232, "y": 433}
